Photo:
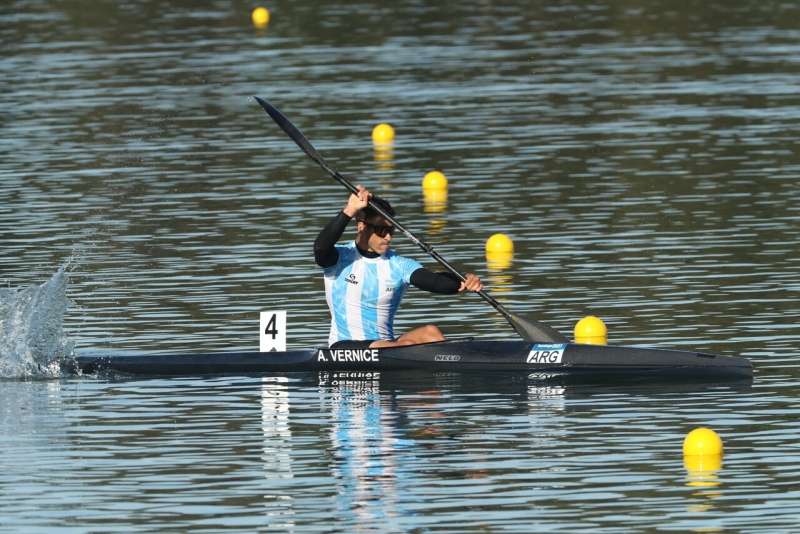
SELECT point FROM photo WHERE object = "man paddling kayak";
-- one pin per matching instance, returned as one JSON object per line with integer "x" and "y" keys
{"x": 365, "y": 281}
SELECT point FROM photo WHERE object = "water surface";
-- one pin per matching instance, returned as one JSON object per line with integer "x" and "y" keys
{"x": 641, "y": 157}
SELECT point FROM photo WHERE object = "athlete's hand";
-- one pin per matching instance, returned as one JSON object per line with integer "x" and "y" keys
{"x": 357, "y": 202}
{"x": 472, "y": 283}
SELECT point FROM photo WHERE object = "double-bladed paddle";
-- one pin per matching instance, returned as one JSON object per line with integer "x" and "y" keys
{"x": 527, "y": 328}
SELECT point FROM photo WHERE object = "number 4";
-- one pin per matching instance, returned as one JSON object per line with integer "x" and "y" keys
{"x": 273, "y": 331}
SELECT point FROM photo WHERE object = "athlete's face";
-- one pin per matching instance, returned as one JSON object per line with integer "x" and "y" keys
{"x": 375, "y": 235}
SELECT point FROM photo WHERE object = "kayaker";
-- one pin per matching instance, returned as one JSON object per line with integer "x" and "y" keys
{"x": 365, "y": 281}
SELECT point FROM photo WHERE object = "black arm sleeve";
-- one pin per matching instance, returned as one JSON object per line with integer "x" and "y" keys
{"x": 443, "y": 283}
{"x": 325, "y": 253}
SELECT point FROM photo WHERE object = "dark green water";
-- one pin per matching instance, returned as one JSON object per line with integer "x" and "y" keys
{"x": 641, "y": 157}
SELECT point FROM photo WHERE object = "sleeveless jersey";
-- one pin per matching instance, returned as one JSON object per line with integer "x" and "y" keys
{"x": 364, "y": 294}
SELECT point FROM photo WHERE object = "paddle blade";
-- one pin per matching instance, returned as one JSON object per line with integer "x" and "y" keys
{"x": 296, "y": 135}
{"x": 531, "y": 330}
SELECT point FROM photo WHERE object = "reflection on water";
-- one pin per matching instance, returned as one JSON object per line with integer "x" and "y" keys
{"x": 702, "y": 474}
{"x": 384, "y": 157}
{"x": 299, "y": 452}
{"x": 364, "y": 451}
{"x": 435, "y": 202}
{"x": 277, "y": 450}
{"x": 385, "y": 433}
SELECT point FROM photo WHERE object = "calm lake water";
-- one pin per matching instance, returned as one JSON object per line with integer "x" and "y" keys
{"x": 641, "y": 156}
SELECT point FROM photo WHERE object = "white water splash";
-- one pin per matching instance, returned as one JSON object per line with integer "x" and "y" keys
{"x": 32, "y": 337}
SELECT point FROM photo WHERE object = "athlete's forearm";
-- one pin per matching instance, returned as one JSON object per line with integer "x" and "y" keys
{"x": 443, "y": 283}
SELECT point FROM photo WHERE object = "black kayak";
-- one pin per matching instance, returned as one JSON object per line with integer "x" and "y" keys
{"x": 466, "y": 355}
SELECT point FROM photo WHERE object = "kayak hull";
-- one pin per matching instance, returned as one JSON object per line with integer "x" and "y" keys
{"x": 448, "y": 356}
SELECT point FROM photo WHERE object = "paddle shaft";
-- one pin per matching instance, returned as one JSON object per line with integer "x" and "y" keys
{"x": 519, "y": 324}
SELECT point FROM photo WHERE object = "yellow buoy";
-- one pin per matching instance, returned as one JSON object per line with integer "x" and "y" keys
{"x": 499, "y": 244}
{"x": 434, "y": 180}
{"x": 591, "y": 331}
{"x": 260, "y": 16}
{"x": 383, "y": 133}
{"x": 702, "y": 441}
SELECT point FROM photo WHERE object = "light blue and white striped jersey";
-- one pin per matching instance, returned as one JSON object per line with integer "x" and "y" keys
{"x": 364, "y": 294}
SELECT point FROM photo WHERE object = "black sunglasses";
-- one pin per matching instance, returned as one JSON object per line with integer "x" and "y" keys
{"x": 380, "y": 230}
